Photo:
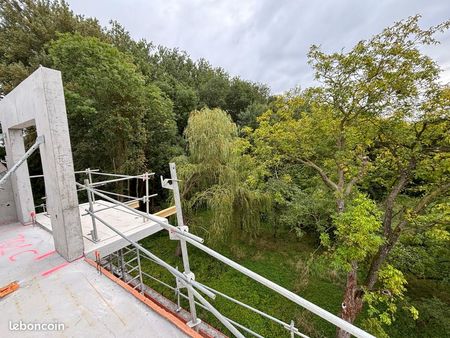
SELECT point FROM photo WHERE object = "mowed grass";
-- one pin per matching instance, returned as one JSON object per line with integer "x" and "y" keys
{"x": 283, "y": 260}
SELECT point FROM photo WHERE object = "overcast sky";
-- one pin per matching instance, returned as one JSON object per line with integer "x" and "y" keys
{"x": 265, "y": 40}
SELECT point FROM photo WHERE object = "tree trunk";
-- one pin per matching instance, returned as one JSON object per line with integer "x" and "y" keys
{"x": 340, "y": 205}
{"x": 375, "y": 266}
{"x": 352, "y": 304}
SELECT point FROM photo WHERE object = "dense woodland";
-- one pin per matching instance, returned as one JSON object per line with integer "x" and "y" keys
{"x": 344, "y": 185}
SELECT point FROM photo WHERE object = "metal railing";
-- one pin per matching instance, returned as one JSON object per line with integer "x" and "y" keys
{"x": 131, "y": 270}
{"x": 187, "y": 280}
{"x": 111, "y": 178}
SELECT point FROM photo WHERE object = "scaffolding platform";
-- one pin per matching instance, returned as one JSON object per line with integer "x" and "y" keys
{"x": 133, "y": 226}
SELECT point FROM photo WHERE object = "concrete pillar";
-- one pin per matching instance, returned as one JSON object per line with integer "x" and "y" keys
{"x": 39, "y": 101}
{"x": 20, "y": 180}
{"x": 57, "y": 165}
{"x": 8, "y": 212}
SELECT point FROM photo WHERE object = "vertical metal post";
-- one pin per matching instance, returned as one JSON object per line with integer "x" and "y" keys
{"x": 187, "y": 270}
{"x": 177, "y": 293}
{"x": 140, "y": 271}
{"x": 89, "y": 172}
{"x": 292, "y": 326}
{"x": 118, "y": 263}
{"x": 122, "y": 265}
{"x": 94, "y": 233}
{"x": 147, "y": 194}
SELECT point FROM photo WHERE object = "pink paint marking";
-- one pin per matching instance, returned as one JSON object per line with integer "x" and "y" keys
{"x": 12, "y": 258}
{"x": 13, "y": 243}
{"x": 22, "y": 246}
{"x": 56, "y": 268}
{"x": 2, "y": 251}
{"x": 45, "y": 255}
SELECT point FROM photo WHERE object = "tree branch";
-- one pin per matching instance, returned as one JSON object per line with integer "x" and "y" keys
{"x": 323, "y": 175}
{"x": 357, "y": 178}
{"x": 393, "y": 236}
{"x": 423, "y": 203}
{"x": 390, "y": 200}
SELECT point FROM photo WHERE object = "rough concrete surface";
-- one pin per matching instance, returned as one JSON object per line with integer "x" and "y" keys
{"x": 8, "y": 212}
{"x": 131, "y": 225}
{"x": 39, "y": 101}
{"x": 73, "y": 294}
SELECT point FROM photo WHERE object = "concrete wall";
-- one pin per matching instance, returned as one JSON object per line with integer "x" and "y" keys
{"x": 39, "y": 101}
{"x": 8, "y": 213}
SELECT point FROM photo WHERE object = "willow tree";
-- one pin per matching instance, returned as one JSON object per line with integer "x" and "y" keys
{"x": 215, "y": 171}
{"x": 380, "y": 117}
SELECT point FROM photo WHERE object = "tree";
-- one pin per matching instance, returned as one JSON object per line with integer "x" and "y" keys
{"x": 162, "y": 142}
{"x": 25, "y": 27}
{"x": 243, "y": 94}
{"x": 213, "y": 92}
{"x": 165, "y": 85}
{"x": 184, "y": 100}
{"x": 380, "y": 111}
{"x": 115, "y": 119}
{"x": 412, "y": 160}
{"x": 140, "y": 51}
{"x": 214, "y": 174}
{"x": 248, "y": 117}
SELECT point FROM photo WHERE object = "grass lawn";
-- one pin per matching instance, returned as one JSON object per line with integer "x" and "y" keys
{"x": 282, "y": 260}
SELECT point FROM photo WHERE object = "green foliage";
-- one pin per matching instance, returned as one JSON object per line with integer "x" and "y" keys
{"x": 357, "y": 233}
{"x": 140, "y": 51}
{"x": 126, "y": 125}
{"x": 111, "y": 111}
{"x": 301, "y": 210}
{"x": 378, "y": 123}
{"x": 314, "y": 135}
{"x": 382, "y": 304}
{"x": 273, "y": 258}
{"x": 215, "y": 171}
{"x": 425, "y": 254}
{"x": 26, "y": 26}
{"x": 249, "y": 116}
{"x": 277, "y": 259}
{"x": 434, "y": 319}
{"x": 194, "y": 85}
{"x": 210, "y": 136}
{"x": 360, "y": 163}
{"x": 163, "y": 141}
{"x": 244, "y": 95}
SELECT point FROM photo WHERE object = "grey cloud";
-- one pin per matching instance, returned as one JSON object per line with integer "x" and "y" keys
{"x": 263, "y": 40}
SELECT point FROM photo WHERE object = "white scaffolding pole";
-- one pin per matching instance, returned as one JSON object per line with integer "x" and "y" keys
{"x": 184, "y": 251}
{"x": 39, "y": 141}
{"x": 196, "y": 241}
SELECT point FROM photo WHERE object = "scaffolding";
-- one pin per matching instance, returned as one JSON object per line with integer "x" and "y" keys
{"x": 107, "y": 179}
{"x": 127, "y": 264}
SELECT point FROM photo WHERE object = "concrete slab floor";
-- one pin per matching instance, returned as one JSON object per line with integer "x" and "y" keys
{"x": 73, "y": 294}
{"x": 132, "y": 225}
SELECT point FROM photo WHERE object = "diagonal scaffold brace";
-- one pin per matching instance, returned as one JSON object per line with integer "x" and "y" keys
{"x": 39, "y": 140}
